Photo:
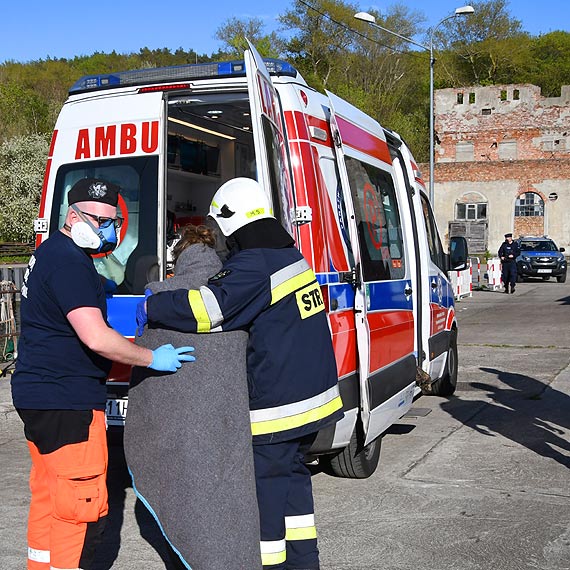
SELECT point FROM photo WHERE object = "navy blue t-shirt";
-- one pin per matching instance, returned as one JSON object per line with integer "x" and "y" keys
{"x": 54, "y": 369}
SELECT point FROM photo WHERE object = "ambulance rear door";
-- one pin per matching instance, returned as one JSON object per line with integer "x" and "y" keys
{"x": 116, "y": 135}
{"x": 272, "y": 163}
{"x": 383, "y": 303}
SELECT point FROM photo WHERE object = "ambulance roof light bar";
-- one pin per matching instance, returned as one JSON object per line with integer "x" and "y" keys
{"x": 175, "y": 73}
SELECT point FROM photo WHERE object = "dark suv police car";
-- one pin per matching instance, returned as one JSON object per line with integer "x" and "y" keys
{"x": 540, "y": 257}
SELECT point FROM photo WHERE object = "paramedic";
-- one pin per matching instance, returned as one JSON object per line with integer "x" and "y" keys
{"x": 58, "y": 387}
{"x": 508, "y": 252}
{"x": 267, "y": 288}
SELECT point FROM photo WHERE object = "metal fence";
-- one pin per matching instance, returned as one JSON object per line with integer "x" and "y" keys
{"x": 8, "y": 322}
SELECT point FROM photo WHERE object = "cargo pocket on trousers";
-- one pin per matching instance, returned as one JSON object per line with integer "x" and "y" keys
{"x": 80, "y": 497}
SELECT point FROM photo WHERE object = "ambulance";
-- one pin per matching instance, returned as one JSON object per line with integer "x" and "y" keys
{"x": 347, "y": 189}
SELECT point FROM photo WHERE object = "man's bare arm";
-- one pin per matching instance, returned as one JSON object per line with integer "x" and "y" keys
{"x": 92, "y": 330}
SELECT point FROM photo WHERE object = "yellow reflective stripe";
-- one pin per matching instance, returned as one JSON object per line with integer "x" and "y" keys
{"x": 200, "y": 312}
{"x": 301, "y": 533}
{"x": 294, "y": 408}
{"x": 297, "y": 420}
{"x": 273, "y": 552}
{"x": 273, "y": 558}
{"x": 291, "y": 285}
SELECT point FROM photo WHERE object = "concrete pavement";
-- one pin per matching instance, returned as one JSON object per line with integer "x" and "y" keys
{"x": 479, "y": 481}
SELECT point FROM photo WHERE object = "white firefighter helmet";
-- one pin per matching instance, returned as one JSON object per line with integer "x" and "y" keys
{"x": 238, "y": 202}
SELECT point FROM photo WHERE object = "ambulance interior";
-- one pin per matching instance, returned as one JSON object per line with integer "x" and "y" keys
{"x": 209, "y": 142}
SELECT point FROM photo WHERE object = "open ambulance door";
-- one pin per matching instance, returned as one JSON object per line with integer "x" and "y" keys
{"x": 269, "y": 139}
{"x": 383, "y": 303}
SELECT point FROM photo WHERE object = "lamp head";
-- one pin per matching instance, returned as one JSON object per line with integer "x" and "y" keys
{"x": 365, "y": 17}
{"x": 464, "y": 10}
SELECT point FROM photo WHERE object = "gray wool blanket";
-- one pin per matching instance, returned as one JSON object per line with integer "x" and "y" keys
{"x": 188, "y": 439}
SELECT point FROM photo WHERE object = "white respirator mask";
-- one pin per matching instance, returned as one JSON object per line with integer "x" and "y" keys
{"x": 94, "y": 240}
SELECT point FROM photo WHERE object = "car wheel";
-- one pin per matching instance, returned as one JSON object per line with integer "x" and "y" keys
{"x": 356, "y": 461}
{"x": 446, "y": 385}
{"x": 561, "y": 278}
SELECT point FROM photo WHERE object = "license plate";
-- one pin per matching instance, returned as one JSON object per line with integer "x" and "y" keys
{"x": 544, "y": 270}
{"x": 116, "y": 411}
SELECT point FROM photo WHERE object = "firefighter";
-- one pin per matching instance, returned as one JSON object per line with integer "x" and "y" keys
{"x": 508, "y": 252}
{"x": 58, "y": 387}
{"x": 267, "y": 288}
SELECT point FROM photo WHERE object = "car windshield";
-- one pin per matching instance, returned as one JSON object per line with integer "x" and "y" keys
{"x": 546, "y": 245}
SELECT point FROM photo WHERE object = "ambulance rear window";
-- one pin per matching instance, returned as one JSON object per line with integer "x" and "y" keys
{"x": 135, "y": 261}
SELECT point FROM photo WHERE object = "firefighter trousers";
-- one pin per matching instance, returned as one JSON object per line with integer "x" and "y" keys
{"x": 68, "y": 486}
{"x": 286, "y": 511}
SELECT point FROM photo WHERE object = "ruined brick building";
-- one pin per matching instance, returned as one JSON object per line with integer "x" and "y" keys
{"x": 502, "y": 163}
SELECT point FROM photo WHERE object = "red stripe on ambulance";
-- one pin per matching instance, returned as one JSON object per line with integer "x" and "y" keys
{"x": 45, "y": 183}
{"x": 362, "y": 140}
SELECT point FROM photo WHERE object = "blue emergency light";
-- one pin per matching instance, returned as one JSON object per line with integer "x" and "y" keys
{"x": 175, "y": 73}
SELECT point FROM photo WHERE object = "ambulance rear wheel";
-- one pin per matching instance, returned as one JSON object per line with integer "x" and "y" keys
{"x": 357, "y": 461}
{"x": 445, "y": 386}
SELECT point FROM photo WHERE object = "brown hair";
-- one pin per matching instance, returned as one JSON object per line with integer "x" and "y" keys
{"x": 193, "y": 234}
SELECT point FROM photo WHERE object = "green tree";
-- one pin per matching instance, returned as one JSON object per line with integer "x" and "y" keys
{"x": 22, "y": 166}
{"x": 232, "y": 34}
{"x": 22, "y": 111}
{"x": 486, "y": 47}
{"x": 549, "y": 63}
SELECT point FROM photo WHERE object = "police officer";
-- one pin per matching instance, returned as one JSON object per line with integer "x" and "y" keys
{"x": 58, "y": 388}
{"x": 268, "y": 288}
{"x": 508, "y": 252}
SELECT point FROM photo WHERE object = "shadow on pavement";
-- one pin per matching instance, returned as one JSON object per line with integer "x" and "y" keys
{"x": 517, "y": 414}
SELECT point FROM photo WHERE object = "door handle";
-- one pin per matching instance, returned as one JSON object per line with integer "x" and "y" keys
{"x": 408, "y": 291}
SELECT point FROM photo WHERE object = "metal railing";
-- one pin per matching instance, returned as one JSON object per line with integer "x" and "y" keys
{"x": 8, "y": 323}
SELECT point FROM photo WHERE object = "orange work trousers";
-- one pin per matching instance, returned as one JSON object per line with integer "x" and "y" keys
{"x": 69, "y": 501}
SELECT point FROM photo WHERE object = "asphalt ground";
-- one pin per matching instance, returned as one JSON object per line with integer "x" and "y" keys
{"x": 477, "y": 481}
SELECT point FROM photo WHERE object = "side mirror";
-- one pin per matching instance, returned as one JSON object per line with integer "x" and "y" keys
{"x": 562, "y": 250}
{"x": 458, "y": 253}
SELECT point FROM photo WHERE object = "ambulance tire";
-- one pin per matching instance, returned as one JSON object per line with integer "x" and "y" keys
{"x": 356, "y": 461}
{"x": 446, "y": 385}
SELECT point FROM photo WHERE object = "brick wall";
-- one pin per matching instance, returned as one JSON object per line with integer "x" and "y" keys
{"x": 528, "y": 128}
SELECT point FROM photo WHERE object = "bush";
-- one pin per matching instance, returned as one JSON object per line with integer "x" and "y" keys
{"x": 22, "y": 166}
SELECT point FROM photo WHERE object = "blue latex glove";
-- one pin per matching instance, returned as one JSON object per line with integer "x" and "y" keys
{"x": 166, "y": 358}
{"x": 142, "y": 317}
{"x": 109, "y": 286}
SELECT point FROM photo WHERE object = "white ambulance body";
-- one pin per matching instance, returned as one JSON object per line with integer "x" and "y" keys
{"x": 347, "y": 189}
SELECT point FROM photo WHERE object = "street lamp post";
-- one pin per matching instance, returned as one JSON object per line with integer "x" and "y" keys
{"x": 462, "y": 11}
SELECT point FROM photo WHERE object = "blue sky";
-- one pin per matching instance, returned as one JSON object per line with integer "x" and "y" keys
{"x": 35, "y": 30}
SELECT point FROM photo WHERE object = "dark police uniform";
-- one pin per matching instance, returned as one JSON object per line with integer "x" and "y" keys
{"x": 509, "y": 264}
{"x": 292, "y": 376}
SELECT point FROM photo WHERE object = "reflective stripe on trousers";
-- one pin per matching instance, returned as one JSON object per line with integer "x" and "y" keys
{"x": 285, "y": 498}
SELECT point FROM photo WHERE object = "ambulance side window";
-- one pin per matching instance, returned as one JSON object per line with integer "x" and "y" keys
{"x": 378, "y": 221}
{"x": 434, "y": 243}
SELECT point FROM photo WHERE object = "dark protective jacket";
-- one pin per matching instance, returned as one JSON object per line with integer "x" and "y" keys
{"x": 507, "y": 249}
{"x": 291, "y": 368}
{"x": 188, "y": 440}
